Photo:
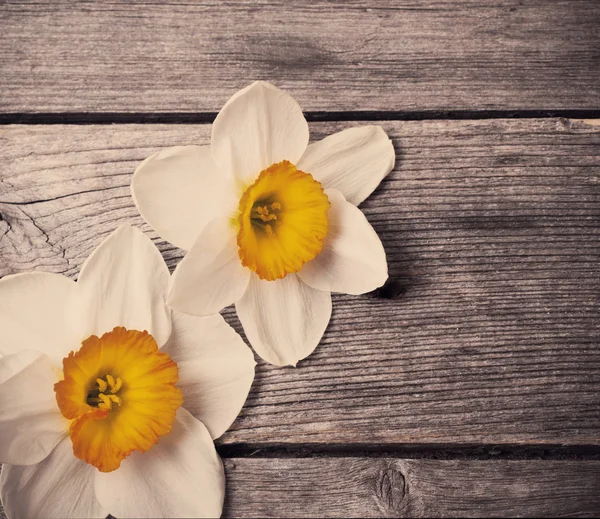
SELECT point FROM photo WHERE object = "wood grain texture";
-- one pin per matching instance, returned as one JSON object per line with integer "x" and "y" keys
{"x": 488, "y": 331}
{"x": 352, "y": 487}
{"x": 182, "y": 56}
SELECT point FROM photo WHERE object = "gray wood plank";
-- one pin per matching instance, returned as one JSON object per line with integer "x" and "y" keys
{"x": 353, "y": 487}
{"x": 181, "y": 56}
{"x": 383, "y": 487}
{"x": 489, "y": 329}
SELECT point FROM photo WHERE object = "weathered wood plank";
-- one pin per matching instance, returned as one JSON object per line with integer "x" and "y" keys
{"x": 383, "y": 487}
{"x": 180, "y": 56}
{"x": 348, "y": 487}
{"x": 489, "y": 331}
{"x": 352, "y": 487}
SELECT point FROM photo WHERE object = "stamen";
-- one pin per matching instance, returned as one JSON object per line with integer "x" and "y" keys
{"x": 97, "y": 396}
{"x": 262, "y": 212}
{"x": 106, "y": 402}
{"x": 269, "y": 230}
{"x": 117, "y": 386}
{"x": 115, "y": 399}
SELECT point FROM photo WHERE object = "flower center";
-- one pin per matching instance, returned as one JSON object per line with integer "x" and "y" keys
{"x": 104, "y": 394}
{"x": 263, "y": 219}
{"x": 119, "y": 393}
{"x": 282, "y": 221}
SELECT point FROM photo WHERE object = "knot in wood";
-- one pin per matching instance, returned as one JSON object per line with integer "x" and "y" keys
{"x": 391, "y": 489}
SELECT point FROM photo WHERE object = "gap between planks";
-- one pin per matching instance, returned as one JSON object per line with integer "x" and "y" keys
{"x": 454, "y": 451}
{"x": 82, "y": 118}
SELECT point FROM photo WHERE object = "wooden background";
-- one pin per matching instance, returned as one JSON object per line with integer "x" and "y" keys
{"x": 469, "y": 384}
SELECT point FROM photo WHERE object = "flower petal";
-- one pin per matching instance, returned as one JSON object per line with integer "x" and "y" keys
{"x": 259, "y": 126}
{"x": 123, "y": 283}
{"x": 30, "y": 422}
{"x": 284, "y": 320}
{"x": 354, "y": 161}
{"x": 216, "y": 369}
{"x": 182, "y": 476}
{"x": 179, "y": 190}
{"x": 353, "y": 259}
{"x": 33, "y": 314}
{"x": 61, "y": 486}
{"x": 210, "y": 276}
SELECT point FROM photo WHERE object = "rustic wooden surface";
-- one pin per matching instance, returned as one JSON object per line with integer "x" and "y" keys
{"x": 488, "y": 330}
{"x": 186, "y": 56}
{"x": 470, "y": 384}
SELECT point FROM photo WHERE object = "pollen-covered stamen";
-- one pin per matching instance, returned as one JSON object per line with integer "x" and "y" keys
{"x": 263, "y": 212}
{"x": 102, "y": 385}
{"x": 98, "y": 397}
{"x": 106, "y": 401}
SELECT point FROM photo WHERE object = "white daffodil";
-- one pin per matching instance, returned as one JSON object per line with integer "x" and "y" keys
{"x": 93, "y": 375}
{"x": 270, "y": 222}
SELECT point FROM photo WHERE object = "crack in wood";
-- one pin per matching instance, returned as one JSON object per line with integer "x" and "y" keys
{"x": 41, "y": 201}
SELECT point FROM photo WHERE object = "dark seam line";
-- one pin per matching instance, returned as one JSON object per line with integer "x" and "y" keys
{"x": 319, "y": 116}
{"x": 417, "y": 451}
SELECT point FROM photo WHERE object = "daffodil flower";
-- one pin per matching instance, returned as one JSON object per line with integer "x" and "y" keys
{"x": 93, "y": 375}
{"x": 270, "y": 222}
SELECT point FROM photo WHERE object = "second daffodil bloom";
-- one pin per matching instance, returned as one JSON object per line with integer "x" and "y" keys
{"x": 270, "y": 222}
{"x": 108, "y": 403}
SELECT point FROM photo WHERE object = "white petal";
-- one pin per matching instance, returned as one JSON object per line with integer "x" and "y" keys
{"x": 123, "y": 283}
{"x": 216, "y": 369}
{"x": 354, "y": 161}
{"x": 31, "y": 424}
{"x": 353, "y": 259}
{"x": 259, "y": 126}
{"x": 13, "y": 364}
{"x": 182, "y": 476}
{"x": 210, "y": 276}
{"x": 178, "y": 190}
{"x": 284, "y": 320}
{"x": 33, "y": 314}
{"x": 61, "y": 486}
